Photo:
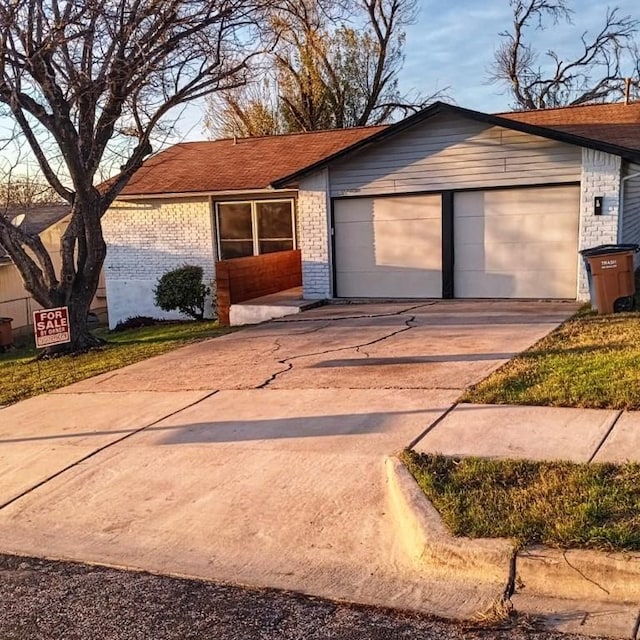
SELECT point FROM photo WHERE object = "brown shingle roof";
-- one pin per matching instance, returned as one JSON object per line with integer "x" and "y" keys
{"x": 248, "y": 163}
{"x": 617, "y": 124}
{"x": 256, "y": 163}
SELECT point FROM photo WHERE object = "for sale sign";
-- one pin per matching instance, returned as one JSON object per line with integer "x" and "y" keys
{"x": 51, "y": 326}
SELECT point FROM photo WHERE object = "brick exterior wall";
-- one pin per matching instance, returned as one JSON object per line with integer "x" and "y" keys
{"x": 145, "y": 239}
{"x": 313, "y": 235}
{"x": 600, "y": 177}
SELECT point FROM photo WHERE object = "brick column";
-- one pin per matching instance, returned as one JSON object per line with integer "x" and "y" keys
{"x": 600, "y": 177}
{"x": 313, "y": 240}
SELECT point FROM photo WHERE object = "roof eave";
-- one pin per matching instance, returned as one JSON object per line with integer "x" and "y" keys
{"x": 201, "y": 194}
{"x": 441, "y": 107}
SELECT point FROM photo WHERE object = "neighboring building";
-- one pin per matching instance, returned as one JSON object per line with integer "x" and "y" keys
{"x": 49, "y": 222}
{"x": 446, "y": 203}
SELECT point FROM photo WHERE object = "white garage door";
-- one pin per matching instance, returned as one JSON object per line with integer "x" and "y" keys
{"x": 517, "y": 243}
{"x": 388, "y": 247}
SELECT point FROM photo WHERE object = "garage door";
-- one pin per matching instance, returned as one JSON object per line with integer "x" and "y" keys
{"x": 517, "y": 243}
{"x": 388, "y": 247}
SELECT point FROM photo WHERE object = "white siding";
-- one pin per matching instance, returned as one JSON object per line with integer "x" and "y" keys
{"x": 451, "y": 152}
{"x": 631, "y": 209}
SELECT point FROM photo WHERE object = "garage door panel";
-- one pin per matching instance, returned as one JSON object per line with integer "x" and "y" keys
{"x": 531, "y": 227}
{"x": 407, "y": 208}
{"x": 500, "y": 256}
{"x": 521, "y": 228}
{"x": 414, "y": 244}
{"x": 388, "y": 247}
{"x": 389, "y": 284}
{"x": 515, "y": 202}
{"x": 517, "y": 243}
{"x": 505, "y": 285}
{"x": 359, "y": 210}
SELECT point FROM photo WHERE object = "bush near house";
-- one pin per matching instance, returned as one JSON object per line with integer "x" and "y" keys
{"x": 182, "y": 290}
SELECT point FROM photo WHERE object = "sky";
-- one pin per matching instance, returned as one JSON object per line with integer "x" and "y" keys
{"x": 452, "y": 43}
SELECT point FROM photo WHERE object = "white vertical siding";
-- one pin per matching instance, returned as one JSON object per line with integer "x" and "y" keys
{"x": 631, "y": 205}
{"x": 451, "y": 152}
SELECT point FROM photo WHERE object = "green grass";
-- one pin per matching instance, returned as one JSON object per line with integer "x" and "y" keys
{"x": 559, "y": 504}
{"x": 589, "y": 361}
{"x": 22, "y": 377}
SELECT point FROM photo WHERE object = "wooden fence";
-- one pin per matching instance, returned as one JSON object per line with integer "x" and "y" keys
{"x": 241, "y": 279}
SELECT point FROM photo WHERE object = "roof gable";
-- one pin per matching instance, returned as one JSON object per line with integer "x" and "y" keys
{"x": 595, "y": 131}
{"x": 37, "y": 219}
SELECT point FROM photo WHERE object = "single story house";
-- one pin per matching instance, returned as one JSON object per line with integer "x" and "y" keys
{"x": 49, "y": 222}
{"x": 447, "y": 203}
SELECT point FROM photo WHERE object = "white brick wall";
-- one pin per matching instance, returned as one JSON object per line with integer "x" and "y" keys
{"x": 600, "y": 177}
{"x": 145, "y": 239}
{"x": 313, "y": 226}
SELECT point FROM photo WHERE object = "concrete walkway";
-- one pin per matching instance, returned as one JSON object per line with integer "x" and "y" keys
{"x": 535, "y": 433}
{"x": 257, "y": 458}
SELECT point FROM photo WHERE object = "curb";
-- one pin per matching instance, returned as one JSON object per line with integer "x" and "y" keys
{"x": 427, "y": 539}
{"x": 541, "y": 579}
{"x": 578, "y": 574}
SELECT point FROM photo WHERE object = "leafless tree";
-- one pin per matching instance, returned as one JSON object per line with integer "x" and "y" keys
{"x": 20, "y": 193}
{"x": 80, "y": 79}
{"x": 336, "y": 65}
{"x": 595, "y": 74}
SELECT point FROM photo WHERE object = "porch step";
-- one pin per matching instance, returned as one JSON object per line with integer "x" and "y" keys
{"x": 275, "y": 305}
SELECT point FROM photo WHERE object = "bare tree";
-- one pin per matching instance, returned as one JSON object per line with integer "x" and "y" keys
{"x": 336, "y": 65}
{"x": 595, "y": 74}
{"x": 23, "y": 192}
{"x": 81, "y": 80}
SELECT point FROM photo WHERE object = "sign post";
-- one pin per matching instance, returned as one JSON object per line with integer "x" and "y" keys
{"x": 51, "y": 327}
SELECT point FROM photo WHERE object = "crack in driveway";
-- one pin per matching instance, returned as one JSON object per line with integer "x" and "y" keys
{"x": 400, "y": 312}
{"x": 288, "y": 362}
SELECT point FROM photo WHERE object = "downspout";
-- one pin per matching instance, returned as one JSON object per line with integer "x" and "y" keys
{"x": 621, "y": 207}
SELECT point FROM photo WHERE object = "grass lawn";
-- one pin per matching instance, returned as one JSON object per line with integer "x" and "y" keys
{"x": 589, "y": 361}
{"x": 22, "y": 377}
{"x": 559, "y": 504}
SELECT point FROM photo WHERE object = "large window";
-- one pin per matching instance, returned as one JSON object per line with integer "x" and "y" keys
{"x": 252, "y": 228}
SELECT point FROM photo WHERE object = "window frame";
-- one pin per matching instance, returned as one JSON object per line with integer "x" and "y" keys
{"x": 254, "y": 224}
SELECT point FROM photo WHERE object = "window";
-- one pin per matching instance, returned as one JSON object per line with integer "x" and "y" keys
{"x": 252, "y": 228}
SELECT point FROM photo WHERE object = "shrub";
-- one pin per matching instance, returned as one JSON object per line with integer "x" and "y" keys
{"x": 135, "y": 322}
{"x": 182, "y": 289}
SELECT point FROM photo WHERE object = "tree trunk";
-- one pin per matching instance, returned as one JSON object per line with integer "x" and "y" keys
{"x": 82, "y": 339}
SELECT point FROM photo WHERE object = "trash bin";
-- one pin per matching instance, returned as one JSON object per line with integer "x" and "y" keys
{"x": 6, "y": 337}
{"x": 610, "y": 268}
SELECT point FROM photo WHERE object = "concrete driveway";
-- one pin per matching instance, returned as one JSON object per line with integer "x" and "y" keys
{"x": 257, "y": 458}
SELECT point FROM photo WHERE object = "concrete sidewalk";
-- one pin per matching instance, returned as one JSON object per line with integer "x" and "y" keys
{"x": 535, "y": 433}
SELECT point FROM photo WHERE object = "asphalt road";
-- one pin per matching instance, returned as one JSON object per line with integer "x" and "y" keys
{"x": 43, "y": 600}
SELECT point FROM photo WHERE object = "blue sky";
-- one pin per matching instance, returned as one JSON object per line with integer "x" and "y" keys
{"x": 451, "y": 45}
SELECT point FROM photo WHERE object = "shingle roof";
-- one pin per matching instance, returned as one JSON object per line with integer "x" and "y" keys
{"x": 257, "y": 163}
{"x": 36, "y": 220}
{"x": 617, "y": 124}
{"x": 242, "y": 164}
